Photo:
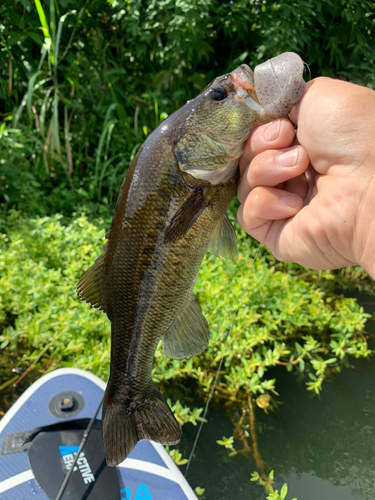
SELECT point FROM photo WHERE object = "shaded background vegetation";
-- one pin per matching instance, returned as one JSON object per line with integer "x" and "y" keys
{"x": 73, "y": 119}
{"x": 82, "y": 83}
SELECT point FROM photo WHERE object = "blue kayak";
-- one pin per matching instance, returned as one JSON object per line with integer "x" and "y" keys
{"x": 40, "y": 436}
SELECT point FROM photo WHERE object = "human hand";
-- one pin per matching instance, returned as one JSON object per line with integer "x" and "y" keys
{"x": 314, "y": 204}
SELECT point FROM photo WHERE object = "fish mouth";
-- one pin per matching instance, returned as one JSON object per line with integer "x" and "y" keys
{"x": 243, "y": 77}
{"x": 243, "y": 80}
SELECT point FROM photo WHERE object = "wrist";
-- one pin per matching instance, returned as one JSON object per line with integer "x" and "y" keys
{"x": 367, "y": 261}
{"x": 364, "y": 233}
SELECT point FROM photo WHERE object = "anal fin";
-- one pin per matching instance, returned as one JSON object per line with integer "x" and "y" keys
{"x": 188, "y": 335}
{"x": 223, "y": 242}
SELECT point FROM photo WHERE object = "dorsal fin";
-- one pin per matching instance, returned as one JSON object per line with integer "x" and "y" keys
{"x": 90, "y": 285}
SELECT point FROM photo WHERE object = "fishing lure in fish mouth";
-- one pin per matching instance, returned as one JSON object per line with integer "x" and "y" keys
{"x": 279, "y": 83}
{"x": 270, "y": 92}
{"x": 172, "y": 208}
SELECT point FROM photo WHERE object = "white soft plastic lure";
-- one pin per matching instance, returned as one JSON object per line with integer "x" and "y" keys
{"x": 279, "y": 83}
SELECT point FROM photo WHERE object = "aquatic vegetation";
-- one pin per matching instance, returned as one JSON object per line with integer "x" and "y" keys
{"x": 267, "y": 483}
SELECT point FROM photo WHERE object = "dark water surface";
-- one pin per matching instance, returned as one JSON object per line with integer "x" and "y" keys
{"x": 323, "y": 447}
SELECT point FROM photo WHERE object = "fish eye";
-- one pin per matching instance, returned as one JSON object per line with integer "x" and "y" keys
{"x": 218, "y": 93}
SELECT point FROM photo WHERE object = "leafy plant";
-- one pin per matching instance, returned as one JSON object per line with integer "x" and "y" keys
{"x": 259, "y": 317}
{"x": 176, "y": 456}
{"x": 83, "y": 83}
{"x": 267, "y": 484}
{"x": 200, "y": 492}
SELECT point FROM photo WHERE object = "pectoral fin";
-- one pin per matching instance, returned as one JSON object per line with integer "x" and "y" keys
{"x": 90, "y": 285}
{"x": 188, "y": 335}
{"x": 223, "y": 242}
{"x": 185, "y": 216}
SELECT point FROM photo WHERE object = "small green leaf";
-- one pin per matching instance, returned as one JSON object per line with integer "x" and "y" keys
{"x": 199, "y": 491}
{"x": 36, "y": 37}
{"x": 284, "y": 491}
{"x": 13, "y": 38}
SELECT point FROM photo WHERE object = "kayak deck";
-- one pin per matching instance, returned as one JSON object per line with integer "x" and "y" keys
{"x": 147, "y": 474}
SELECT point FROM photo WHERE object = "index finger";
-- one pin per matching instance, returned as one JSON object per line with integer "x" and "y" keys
{"x": 275, "y": 135}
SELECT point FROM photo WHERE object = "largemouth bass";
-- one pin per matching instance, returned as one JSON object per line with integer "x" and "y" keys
{"x": 171, "y": 208}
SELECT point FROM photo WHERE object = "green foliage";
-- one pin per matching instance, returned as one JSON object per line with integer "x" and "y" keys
{"x": 39, "y": 264}
{"x": 228, "y": 444}
{"x": 277, "y": 319}
{"x": 176, "y": 456}
{"x": 21, "y": 183}
{"x": 267, "y": 484}
{"x": 259, "y": 317}
{"x": 83, "y": 83}
{"x": 199, "y": 491}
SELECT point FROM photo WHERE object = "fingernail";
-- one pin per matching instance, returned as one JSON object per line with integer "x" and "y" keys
{"x": 271, "y": 133}
{"x": 290, "y": 200}
{"x": 289, "y": 158}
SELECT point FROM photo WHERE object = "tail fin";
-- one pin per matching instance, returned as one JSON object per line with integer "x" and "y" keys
{"x": 148, "y": 418}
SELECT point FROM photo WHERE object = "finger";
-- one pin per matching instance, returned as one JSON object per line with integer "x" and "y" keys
{"x": 264, "y": 205}
{"x": 294, "y": 114}
{"x": 275, "y": 135}
{"x": 273, "y": 167}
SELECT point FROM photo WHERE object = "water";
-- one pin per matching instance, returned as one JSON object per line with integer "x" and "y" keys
{"x": 323, "y": 447}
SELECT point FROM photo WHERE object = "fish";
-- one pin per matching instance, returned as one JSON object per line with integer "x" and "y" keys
{"x": 170, "y": 210}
